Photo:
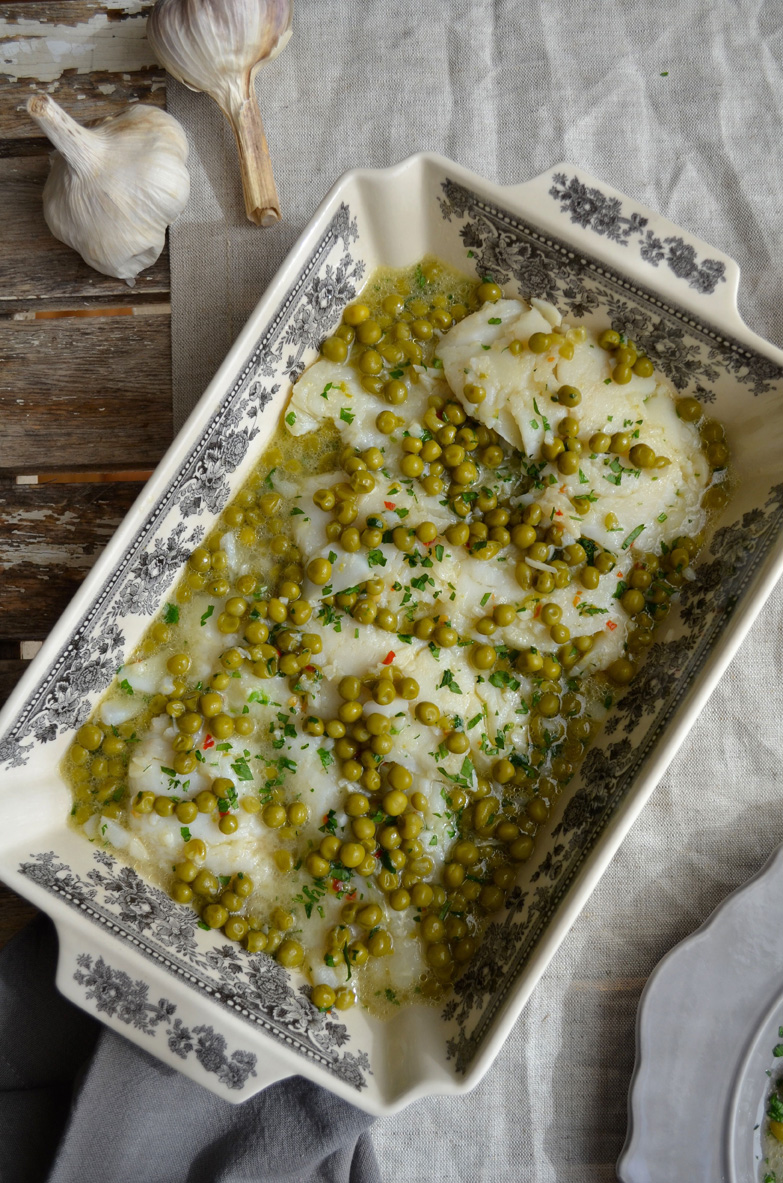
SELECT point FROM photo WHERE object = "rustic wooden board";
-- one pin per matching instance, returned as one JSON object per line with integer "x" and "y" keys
{"x": 34, "y": 264}
{"x": 75, "y": 393}
{"x": 50, "y": 536}
{"x": 103, "y": 62}
{"x": 92, "y": 392}
{"x": 87, "y": 97}
{"x": 10, "y": 673}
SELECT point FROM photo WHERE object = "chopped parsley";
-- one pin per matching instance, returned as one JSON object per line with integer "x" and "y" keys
{"x": 632, "y": 536}
{"x": 591, "y": 610}
{"x": 171, "y": 614}
{"x": 326, "y": 758}
{"x": 346, "y": 415}
{"x": 207, "y": 614}
{"x": 290, "y": 418}
{"x": 126, "y": 687}
{"x": 241, "y": 769}
{"x": 775, "y": 1108}
{"x": 450, "y": 681}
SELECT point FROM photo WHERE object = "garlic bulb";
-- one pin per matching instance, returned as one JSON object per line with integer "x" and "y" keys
{"x": 217, "y": 46}
{"x": 113, "y": 189}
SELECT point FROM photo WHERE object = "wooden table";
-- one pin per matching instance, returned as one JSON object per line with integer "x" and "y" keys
{"x": 85, "y": 361}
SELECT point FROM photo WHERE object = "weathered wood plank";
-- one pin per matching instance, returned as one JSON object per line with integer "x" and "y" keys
{"x": 10, "y": 673}
{"x": 134, "y": 303}
{"x": 101, "y": 63}
{"x": 87, "y": 97}
{"x": 50, "y": 536}
{"x": 90, "y": 392}
{"x": 34, "y": 264}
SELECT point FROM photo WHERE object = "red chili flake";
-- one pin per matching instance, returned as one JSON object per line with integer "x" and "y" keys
{"x": 619, "y": 574}
{"x": 389, "y": 505}
{"x": 610, "y": 624}
{"x": 537, "y": 611}
{"x": 208, "y": 742}
{"x": 351, "y": 895}
{"x": 325, "y": 818}
{"x": 558, "y": 513}
{"x": 389, "y": 658}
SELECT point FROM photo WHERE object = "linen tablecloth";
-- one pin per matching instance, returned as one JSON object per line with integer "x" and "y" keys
{"x": 678, "y": 105}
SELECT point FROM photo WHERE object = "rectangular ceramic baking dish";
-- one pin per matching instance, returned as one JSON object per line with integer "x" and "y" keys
{"x": 128, "y": 954}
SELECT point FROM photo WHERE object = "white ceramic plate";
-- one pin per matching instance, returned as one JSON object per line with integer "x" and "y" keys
{"x": 127, "y": 952}
{"x": 707, "y": 1024}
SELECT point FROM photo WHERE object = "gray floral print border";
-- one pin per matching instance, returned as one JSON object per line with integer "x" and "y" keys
{"x": 594, "y": 210}
{"x": 117, "y": 995}
{"x": 254, "y": 987}
{"x": 693, "y": 356}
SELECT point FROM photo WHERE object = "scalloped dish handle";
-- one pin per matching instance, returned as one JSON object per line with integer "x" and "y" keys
{"x": 157, "y": 1015}
{"x": 631, "y": 237}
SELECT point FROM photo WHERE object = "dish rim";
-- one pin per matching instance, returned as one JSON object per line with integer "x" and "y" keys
{"x": 726, "y": 319}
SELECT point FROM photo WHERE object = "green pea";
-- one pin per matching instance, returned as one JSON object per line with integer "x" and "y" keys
{"x": 568, "y": 463}
{"x": 609, "y": 339}
{"x": 600, "y": 442}
{"x": 590, "y": 578}
{"x": 632, "y": 601}
{"x": 394, "y": 392}
{"x": 642, "y": 456}
{"x": 427, "y": 713}
{"x": 334, "y": 349}
{"x": 371, "y": 362}
{"x": 569, "y": 396}
{"x": 369, "y": 332}
{"x": 319, "y": 571}
{"x": 621, "y": 671}
{"x": 489, "y": 292}
{"x": 483, "y": 657}
{"x": 90, "y": 737}
{"x": 421, "y": 330}
{"x": 689, "y": 410}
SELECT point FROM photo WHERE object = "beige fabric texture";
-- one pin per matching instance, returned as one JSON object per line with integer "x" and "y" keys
{"x": 678, "y": 105}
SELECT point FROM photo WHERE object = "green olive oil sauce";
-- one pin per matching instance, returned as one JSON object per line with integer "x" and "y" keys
{"x": 382, "y": 668}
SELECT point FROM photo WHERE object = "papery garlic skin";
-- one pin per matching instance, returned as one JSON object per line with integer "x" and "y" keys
{"x": 114, "y": 189}
{"x": 218, "y": 46}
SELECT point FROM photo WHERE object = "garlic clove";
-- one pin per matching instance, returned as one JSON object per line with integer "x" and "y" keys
{"x": 113, "y": 189}
{"x": 217, "y": 46}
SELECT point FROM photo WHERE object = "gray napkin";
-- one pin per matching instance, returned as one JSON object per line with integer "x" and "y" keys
{"x": 80, "y": 1104}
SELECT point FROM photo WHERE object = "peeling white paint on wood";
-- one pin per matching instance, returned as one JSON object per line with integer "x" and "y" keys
{"x": 35, "y": 49}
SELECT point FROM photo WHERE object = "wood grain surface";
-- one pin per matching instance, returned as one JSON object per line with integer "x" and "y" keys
{"x": 50, "y": 536}
{"x": 34, "y": 264}
{"x": 85, "y": 370}
{"x": 85, "y": 391}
